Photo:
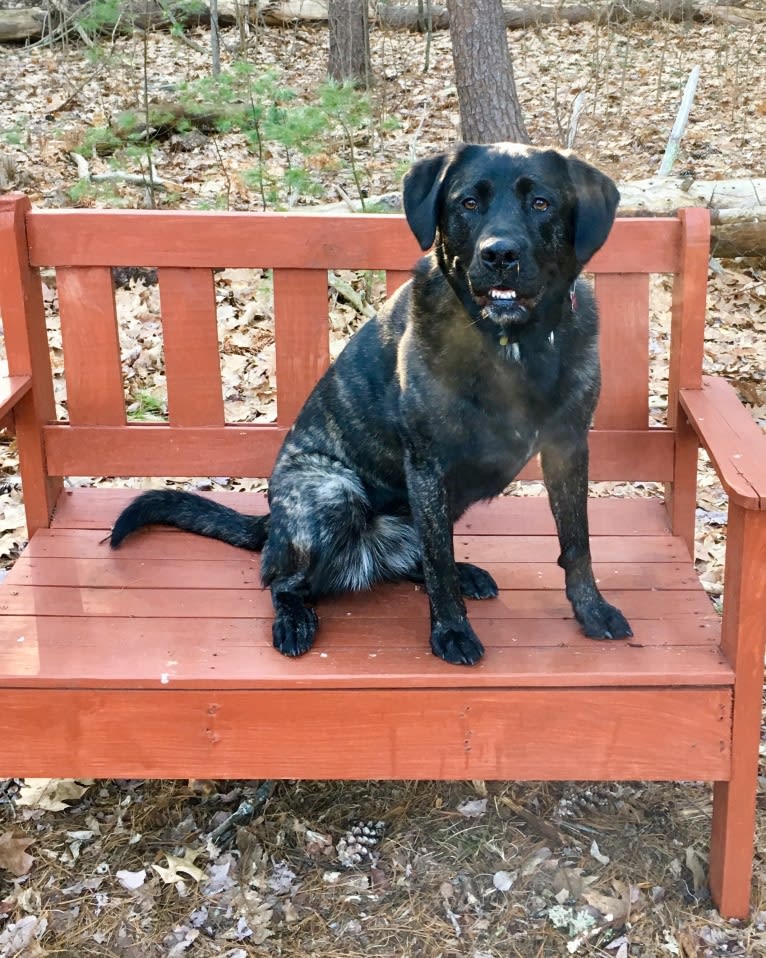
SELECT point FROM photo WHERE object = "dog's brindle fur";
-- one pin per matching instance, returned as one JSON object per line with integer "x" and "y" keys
{"x": 486, "y": 357}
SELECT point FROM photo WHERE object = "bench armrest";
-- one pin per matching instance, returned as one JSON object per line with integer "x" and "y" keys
{"x": 735, "y": 444}
{"x": 12, "y": 388}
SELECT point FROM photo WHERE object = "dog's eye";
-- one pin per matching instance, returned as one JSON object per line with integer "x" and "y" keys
{"x": 471, "y": 203}
{"x": 540, "y": 204}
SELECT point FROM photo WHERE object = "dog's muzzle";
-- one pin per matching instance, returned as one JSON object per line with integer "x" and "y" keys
{"x": 503, "y": 306}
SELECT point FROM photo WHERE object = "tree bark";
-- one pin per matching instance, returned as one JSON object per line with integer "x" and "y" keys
{"x": 349, "y": 41}
{"x": 489, "y": 105}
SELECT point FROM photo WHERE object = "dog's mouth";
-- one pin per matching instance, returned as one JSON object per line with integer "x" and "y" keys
{"x": 504, "y": 305}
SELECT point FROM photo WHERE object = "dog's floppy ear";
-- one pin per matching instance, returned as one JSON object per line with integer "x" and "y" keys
{"x": 597, "y": 199}
{"x": 420, "y": 193}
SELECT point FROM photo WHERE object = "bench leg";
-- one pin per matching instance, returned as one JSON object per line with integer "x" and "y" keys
{"x": 731, "y": 847}
{"x": 743, "y": 641}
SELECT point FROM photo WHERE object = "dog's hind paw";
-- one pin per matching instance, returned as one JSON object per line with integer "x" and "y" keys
{"x": 458, "y": 645}
{"x": 600, "y": 620}
{"x": 294, "y": 629}
{"x": 475, "y": 583}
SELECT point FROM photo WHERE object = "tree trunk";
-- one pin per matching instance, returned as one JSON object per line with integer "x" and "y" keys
{"x": 489, "y": 105}
{"x": 349, "y": 41}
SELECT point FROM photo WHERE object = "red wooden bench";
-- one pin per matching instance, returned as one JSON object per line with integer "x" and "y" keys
{"x": 156, "y": 660}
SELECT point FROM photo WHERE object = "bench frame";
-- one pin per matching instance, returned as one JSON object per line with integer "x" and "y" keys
{"x": 440, "y": 721}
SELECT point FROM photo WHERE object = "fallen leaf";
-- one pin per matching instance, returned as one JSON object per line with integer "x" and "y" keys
{"x": 51, "y": 794}
{"x": 13, "y": 857}
{"x": 131, "y": 880}
{"x": 180, "y": 866}
{"x": 596, "y": 853}
{"x": 614, "y": 910}
{"x": 473, "y": 808}
{"x": 503, "y": 881}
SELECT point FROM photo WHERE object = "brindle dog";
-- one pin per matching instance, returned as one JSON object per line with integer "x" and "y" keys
{"x": 486, "y": 357}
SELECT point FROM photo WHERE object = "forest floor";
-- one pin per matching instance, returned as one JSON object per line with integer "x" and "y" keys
{"x": 473, "y": 869}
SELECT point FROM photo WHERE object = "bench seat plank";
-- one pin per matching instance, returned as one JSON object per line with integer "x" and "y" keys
{"x": 388, "y": 602}
{"x": 97, "y": 508}
{"x": 74, "y": 614}
{"x": 41, "y": 567}
{"x": 219, "y": 654}
{"x": 164, "y": 544}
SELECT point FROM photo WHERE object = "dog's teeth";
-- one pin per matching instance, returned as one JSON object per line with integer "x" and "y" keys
{"x": 502, "y": 294}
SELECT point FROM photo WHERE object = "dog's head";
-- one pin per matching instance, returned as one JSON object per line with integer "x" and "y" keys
{"x": 513, "y": 225}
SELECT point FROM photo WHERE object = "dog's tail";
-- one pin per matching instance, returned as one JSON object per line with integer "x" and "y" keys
{"x": 192, "y": 513}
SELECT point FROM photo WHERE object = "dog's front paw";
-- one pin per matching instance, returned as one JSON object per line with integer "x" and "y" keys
{"x": 600, "y": 620}
{"x": 476, "y": 583}
{"x": 458, "y": 645}
{"x": 294, "y": 629}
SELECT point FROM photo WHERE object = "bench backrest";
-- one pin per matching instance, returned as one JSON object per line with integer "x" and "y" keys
{"x": 186, "y": 247}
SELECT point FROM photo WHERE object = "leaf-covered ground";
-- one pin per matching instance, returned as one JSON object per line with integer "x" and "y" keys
{"x": 351, "y": 869}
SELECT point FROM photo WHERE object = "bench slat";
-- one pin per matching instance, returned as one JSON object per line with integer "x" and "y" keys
{"x": 90, "y": 651}
{"x": 96, "y": 508}
{"x": 190, "y": 342}
{"x": 254, "y": 602}
{"x": 301, "y": 331}
{"x": 457, "y": 734}
{"x": 396, "y": 278}
{"x": 89, "y": 334}
{"x": 517, "y": 547}
{"x": 241, "y": 449}
{"x": 46, "y": 568}
{"x": 623, "y": 301}
{"x": 292, "y": 240}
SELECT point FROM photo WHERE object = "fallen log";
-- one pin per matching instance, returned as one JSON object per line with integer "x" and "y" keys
{"x": 23, "y": 23}
{"x": 27, "y": 23}
{"x": 738, "y": 208}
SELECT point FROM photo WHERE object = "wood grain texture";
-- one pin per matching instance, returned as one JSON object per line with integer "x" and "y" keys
{"x": 92, "y": 366}
{"x": 623, "y": 304}
{"x": 290, "y": 240}
{"x": 744, "y": 644}
{"x": 426, "y": 734}
{"x": 301, "y": 332}
{"x": 26, "y": 347}
{"x": 735, "y": 444}
{"x": 361, "y": 653}
{"x": 159, "y": 450}
{"x": 44, "y": 565}
{"x": 12, "y": 389}
{"x": 190, "y": 346}
{"x": 245, "y": 449}
{"x": 687, "y": 334}
{"x": 96, "y": 508}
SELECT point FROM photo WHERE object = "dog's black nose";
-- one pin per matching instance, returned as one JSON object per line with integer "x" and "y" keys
{"x": 499, "y": 253}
